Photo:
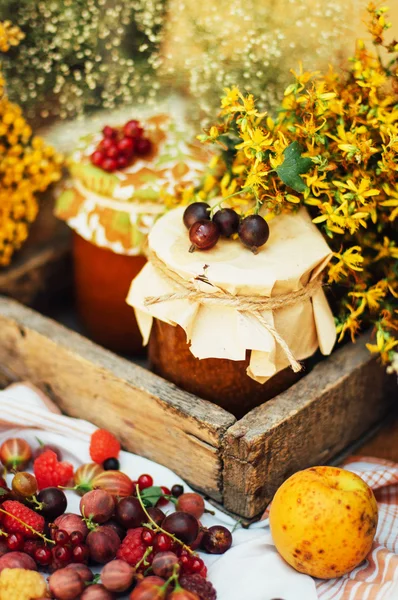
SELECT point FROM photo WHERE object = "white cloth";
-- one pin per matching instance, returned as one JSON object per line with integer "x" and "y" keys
{"x": 251, "y": 570}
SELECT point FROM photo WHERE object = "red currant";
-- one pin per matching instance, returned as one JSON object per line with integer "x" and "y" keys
{"x": 185, "y": 562}
{"x": 145, "y": 481}
{"x": 80, "y": 553}
{"x": 126, "y": 146}
{"x": 133, "y": 129}
{"x": 43, "y": 556}
{"x": 61, "y": 537}
{"x": 106, "y": 144}
{"x": 61, "y": 554}
{"x": 162, "y": 543}
{"x": 196, "y": 565}
{"x": 109, "y": 132}
{"x": 76, "y": 538}
{"x": 163, "y": 501}
{"x": 148, "y": 536}
{"x": 15, "y": 541}
{"x": 122, "y": 162}
{"x": 112, "y": 152}
{"x": 97, "y": 158}
{"x": 143, "y": 147}
{"x": 109, "y": 164}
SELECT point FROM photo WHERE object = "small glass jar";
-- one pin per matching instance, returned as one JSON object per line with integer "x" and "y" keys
{"x": 220, "y": 380}
{"x": 102, "y": 280}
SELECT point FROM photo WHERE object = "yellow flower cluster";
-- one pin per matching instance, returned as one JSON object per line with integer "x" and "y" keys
{"x": 27, "y": 166}
{"x": 334, "y": 148}
{"x": 20, "y": 584}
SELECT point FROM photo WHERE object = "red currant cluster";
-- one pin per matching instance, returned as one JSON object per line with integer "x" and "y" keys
{"x": 119, "y": 147}
{"x": 121, "y": 525}
{"x": 204, "y": 232}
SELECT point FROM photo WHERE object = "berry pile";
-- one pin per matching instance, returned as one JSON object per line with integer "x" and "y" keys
{"x": 120, "y": 146}
{"x": 204, "y": 231}
{"x": 121, "y": 527}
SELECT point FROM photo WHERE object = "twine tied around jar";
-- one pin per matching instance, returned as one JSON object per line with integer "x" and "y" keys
{"x": 253, "y": 305}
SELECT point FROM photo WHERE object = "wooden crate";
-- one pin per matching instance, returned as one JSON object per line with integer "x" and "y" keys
{"x": 237, "y": 463}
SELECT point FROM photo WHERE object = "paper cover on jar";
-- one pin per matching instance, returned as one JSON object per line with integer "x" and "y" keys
{"x": 294, "y": 256}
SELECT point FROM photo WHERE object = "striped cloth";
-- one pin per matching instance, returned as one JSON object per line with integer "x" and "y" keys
{"x": 377, "y": 577}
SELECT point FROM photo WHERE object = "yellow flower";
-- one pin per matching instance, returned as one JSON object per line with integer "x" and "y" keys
{"x": 257, "y": 176}
{"x": 360, "y": 192}
{"x": 254, "y": 140}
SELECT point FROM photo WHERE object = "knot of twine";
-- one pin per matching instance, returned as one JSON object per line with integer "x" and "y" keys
{"x": 253, "y": 305}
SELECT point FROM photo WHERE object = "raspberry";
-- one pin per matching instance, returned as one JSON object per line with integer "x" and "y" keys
{"x": 23, "y": 513}
{"x": 132, "y": 548}
{"x": 50, "y": 472}
{"x": 199, "y": 586}
{"x": 103, "y": 445}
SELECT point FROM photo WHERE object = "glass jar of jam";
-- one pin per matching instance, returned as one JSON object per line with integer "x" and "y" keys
{"x": 102, "y": 280}
{"x": 225, "y": 324}
{"x": 223, "y": 381}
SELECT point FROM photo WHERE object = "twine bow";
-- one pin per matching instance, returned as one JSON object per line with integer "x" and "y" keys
{"x": 253, "y": 305}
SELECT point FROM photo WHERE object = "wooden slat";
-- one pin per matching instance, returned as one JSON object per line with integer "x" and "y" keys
{"x": 149, "y": 415}
{"x": 340, "y": 399}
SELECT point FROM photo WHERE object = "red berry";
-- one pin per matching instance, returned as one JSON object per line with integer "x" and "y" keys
{"x": 97, "y": 158}
{"x": 185, "y": 562}
{"x": 109, "y": 164}
{"x": 133, "y": 129}
{"x": 162, "y": 543}
{"x": 61, "y": 537}
{"x": 80, "y": 553}
{"x": 122, "y": 162}
{"x": 126, "y": 146}
{"x": 50, "y": 472}
{"x": 197, "y": 564}
{"x": 61, "y": 554}
{"x": 204, "y": 234}
{"x": 145, "y": 481}
{"x": 191, "y": 503}
{"x": 103, "y": 445}
{"x": 132, "y": 548}
{"x": 106, "y": 144}
{"x": 76, "y": 538}
{"x": 31, "y": 546}
{"x": 163, "y": 501}
{"x": 15, "y": 541}
{"x": 115, "y": 483}
{"x": 148, "y": 536}
{"x": 143, "y": 147}
{"x": 109, "y": 132}
{"x": 23, "y": 513}
{"x": 43, "y": 556}
{"x": 112, "y": 152}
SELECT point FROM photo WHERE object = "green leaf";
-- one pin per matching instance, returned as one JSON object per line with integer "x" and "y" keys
{"x": 3, "y": 492}
{"x": 293, "y": 166}
{"x": 151, "y": 495}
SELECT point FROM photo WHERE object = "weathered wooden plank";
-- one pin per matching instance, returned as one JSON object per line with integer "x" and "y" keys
{"x": 340, "y": 399}
{"x": 150, "y": 416}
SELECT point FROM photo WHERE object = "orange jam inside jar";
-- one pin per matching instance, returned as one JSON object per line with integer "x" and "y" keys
{"x": 102, "y": 280}
{"x": 222, "y": 381}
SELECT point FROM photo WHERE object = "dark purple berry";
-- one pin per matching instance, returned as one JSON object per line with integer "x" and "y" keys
{"x": 253, "y": 231}
{"x": 216, "y": 540}
{"x": 197, "y": 211}
{"x": 177, "y": 490}
{"x": 227, "y": 221}
{"x": 111, "y": 464}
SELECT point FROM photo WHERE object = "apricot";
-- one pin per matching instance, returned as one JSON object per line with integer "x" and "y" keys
{"x": 323, "y": 521}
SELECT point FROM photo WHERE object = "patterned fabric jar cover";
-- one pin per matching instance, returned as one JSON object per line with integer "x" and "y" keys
{"x": 117, "y": 210}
